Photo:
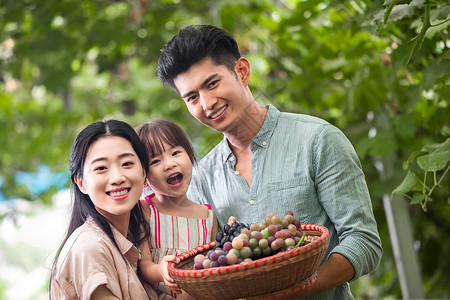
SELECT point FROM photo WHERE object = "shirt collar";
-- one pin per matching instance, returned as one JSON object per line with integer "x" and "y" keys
{"x": 126, "y": 247}
{"x": 261, "y": 138}
{"x": 265, "y": 133}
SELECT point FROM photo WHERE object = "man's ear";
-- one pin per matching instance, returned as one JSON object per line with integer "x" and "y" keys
{"x": 80, "y": 184}
{"x": 242, "y": 69}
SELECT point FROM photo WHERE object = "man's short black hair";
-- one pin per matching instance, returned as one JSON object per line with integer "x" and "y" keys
{"x": 193, "y": 44}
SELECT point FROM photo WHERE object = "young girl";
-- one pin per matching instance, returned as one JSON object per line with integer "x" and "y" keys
{"x": 99, "y": 256}
{"x": 177, "y": 224}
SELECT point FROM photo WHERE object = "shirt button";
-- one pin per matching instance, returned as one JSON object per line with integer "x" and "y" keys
{"x": 252, "y": 202}
{"x": 236, "y": 172}
{"x": 264, "y": 143}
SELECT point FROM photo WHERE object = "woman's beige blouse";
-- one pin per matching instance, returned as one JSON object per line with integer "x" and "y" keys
{"x": 90, "y": 259}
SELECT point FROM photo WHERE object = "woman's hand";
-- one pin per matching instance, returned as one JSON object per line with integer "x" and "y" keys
{"x": 165, "y": 273}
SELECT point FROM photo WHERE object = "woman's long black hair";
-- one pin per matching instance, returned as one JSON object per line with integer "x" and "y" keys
{"x": 83, "y": 206}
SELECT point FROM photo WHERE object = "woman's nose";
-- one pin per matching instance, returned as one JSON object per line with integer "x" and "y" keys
{"x": 117, "y": 176}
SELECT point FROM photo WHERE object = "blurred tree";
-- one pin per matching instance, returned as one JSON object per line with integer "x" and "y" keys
{"x": 378, "y": 71}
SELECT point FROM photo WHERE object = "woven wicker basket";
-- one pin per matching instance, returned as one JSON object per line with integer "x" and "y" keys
{"x": 286, "y": 271}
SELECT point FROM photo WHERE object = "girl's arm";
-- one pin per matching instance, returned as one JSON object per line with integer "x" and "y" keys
{"x": 215, "y": 227}
{"x": 153, "y": 273}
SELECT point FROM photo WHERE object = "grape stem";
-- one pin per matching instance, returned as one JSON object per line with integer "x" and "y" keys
{"x": 301, "y": 240}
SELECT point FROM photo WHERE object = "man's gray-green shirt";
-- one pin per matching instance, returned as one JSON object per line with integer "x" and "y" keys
{"x": 302, "y": 164}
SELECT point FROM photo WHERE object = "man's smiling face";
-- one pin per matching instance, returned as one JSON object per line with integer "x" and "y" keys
{"x": 213, "y": 94}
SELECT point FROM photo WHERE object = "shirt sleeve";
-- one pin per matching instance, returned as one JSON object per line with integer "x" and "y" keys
{"x": 343, "y": 193}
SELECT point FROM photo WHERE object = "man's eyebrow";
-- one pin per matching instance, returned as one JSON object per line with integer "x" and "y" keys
{"x": 203, "y": 84}
{"x": 104, "y": 158}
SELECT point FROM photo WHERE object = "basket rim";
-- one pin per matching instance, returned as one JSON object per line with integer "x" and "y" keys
{"x": 269, "y": 260}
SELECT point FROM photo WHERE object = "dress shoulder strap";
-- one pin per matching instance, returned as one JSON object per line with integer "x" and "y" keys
{"x": 148, "y": 198}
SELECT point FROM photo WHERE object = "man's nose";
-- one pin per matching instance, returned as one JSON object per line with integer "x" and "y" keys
{"x": 208, "y": 102}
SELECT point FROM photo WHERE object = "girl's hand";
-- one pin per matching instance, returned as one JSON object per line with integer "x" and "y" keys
{"x": 165, "y": 273}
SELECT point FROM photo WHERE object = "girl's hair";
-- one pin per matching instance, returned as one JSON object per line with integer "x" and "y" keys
{"x": 154, "y": 133}
{"x": 83, "y": 206}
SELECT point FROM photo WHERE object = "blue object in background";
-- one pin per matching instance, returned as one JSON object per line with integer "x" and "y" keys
{"x": 42, "y": 180}
{"x": 2, "y": 196}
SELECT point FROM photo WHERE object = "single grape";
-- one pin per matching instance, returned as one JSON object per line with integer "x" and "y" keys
{"x": 284, "y": 223}
{"x": 252, "y": 243}
{"x": 290, "y": 248}
{"x": 272, "y": 229}
{"x": 263, "y": 243}
{"x": 245, "y": 243}
{"x": 268, "y": 220}
{"x": 289, "y": 242}
{"x": 231, "y": 258}
{"x": 198, "y": 265}
{"x": 254, "y": 227}
{"x": 257, "y": 251}
{"x": 243, "y": 236}
{"x": 276, "y": 220}
{"x": 292, "y": 228}
{"x": 289, "y": 218}
{"x": 199, "y": 258}
{"x": 227, "y": 246}
{"x": 290, "y": 213}
{"x": 248, "y": 259}
{"x": 265, "y": 233}
{"x": 214, "y": 264}
{"x": 245, "y": 252}
{"x": 237, "y": 243}
{"x": 271, "y": 214}
{"x": 270, "y": 239}
{"x": 213, "y": 256}
{"x": 279, "y": 227}
{"x": 267, "y": 251}
{"x": 206, "y": 263}
{"x": 222, "y": 260}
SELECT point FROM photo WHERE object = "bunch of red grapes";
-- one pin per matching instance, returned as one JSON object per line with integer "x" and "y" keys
{"x": 239, "y": 242}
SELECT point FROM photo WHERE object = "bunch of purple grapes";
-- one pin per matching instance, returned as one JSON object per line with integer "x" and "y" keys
{"x": 240, "y": 243}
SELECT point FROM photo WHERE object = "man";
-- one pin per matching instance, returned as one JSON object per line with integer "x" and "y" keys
{"x": 272, "y": 161}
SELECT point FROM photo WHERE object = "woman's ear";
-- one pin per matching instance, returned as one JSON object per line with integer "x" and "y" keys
{"x": 80, "y": 184}
{"x": 146, "y": 182}
{"x": 242, "y": 69}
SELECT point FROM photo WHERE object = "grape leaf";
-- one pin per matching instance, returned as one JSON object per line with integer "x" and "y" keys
{"x": 407, "y": 184}
{"x": 416, "y": 43}
{"x": 434, "y": 161}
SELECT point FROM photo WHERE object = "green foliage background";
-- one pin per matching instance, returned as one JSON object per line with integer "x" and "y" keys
{"x": 379, "y": 71}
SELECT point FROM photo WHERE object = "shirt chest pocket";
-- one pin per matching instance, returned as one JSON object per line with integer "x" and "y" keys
{"x": 294, "y": 194}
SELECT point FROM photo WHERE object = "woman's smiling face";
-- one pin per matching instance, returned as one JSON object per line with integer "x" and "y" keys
{"x": 113, "y": 177}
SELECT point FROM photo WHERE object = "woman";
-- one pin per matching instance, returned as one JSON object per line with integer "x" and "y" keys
{"x": 99, "y": 256}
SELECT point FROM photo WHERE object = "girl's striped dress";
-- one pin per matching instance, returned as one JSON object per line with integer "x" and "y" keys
{"x": 171, "y": 235}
